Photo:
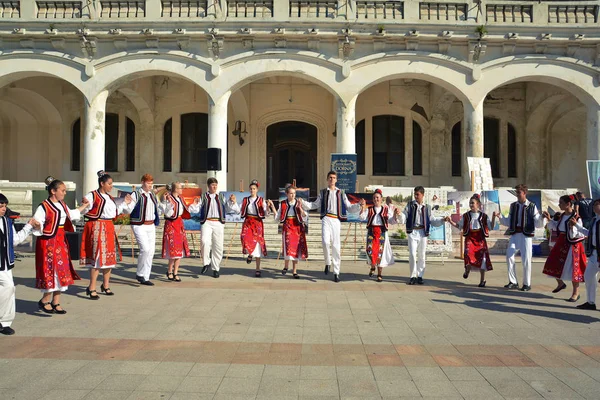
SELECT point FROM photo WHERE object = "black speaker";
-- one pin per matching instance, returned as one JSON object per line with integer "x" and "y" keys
{"x": 213, "y": 159}
{"x": 74, "y": 240}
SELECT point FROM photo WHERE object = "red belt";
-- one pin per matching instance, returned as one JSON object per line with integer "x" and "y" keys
{"x": 148, "y": 222}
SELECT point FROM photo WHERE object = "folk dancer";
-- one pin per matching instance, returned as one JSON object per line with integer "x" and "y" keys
{"x": 100, "y": 249}
{"x": 9, "y": 238}
{"x": 475, "y": 226}
{"x": 593, "y": 267}
{"x": 418, "y": 219}
{"x": 174, "y": 243}
{"x": 53, "y": 268}
{"x": 378, "y": 218}
{"x": 334, "y": 206}
{"x": 523, "y": 218}
{"x": 212, "y": 217}
{"x": 567, "y": 260}
{"x": 293, "y": 236}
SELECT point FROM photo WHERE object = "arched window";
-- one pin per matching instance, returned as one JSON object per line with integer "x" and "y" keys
{"x": 388, "y": 145}
{"x": 76, "y": 146}
{"x": 360, "y": 143}
{"x": 512, "y": 151}
{"x": 491, "y": 144}
{"x": 194, "y": 142}
{"x": 456, "y": 149}
{"x": 168, "y": 145}
{"x": 417, "y": 136}
{"x": 130, "y": 146}
{"x": 111, "y": 143}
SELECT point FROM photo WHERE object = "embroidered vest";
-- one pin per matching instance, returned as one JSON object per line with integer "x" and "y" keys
{"x": 570, "y": 238}
{"x": 483, "y": 222}
{"x": 383, "y": 213}
{"x": 6, "y": 246}
{"x": 97, "y": 206}
{"x": 176, "y": 207}
{"x": 528, "y": 219}
{"x": 259, "y": 203}
{"x": 412, "y": 217}
{"x": 52, "y": 221}
{"x": 594, "y": 229}
{"x": 206, "y": 200}
{"x": 341, "y": 205}
{"x": 138, "y": 215}
{"x": 284, "y": 209}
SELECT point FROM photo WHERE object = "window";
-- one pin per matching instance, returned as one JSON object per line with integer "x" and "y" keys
{"x": 111, "y": 143}
{"x": 456, "y": 149}
{"x": 491, "y": 144}
{"x": 388, "y": 145}
{"x": 512, "y": 151}
{"x": 76, "y": 146}
{"x": 359, "y": 139}
{"x": 417, "y": 136}
{"x": 167, "y": 145}
{"x": 194, "y": 142}
{"x": 130, "y": 146}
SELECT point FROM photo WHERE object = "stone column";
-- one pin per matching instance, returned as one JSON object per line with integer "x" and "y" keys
{"x": 346, "y": 138}
{"x": 472, "y": 137}
{"x": 593, "y": 132}
{"x": 217, "y": 135}
{"x": 93, "y": 140}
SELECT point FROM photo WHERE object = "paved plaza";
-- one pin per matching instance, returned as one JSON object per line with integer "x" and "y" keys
{"x": 240, "y": 337}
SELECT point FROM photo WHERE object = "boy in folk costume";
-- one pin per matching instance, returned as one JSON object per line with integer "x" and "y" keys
{"x": 213, "y": 208}
{"x": 9, "y": 238}
{"x": 522, "y": 220}
{"x": 334, "y": 206}
{"x": 144, "y": 209}
{"x": 475, "y": 226}
{"x": 593, "y": 265}
{"x": 418, "y": 219}
{"x": 378, "y": 217}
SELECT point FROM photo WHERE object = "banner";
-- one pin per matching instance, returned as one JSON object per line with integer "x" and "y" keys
{"x": 345, "y": 167}
{"x": 593, "y": 170}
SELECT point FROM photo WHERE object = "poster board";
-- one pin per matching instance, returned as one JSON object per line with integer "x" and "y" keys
{"x": 345, "y": 167}
{"x": 480, "y": 173}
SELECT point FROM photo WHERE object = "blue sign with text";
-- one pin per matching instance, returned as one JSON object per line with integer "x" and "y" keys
{"x": 345, "y": 167}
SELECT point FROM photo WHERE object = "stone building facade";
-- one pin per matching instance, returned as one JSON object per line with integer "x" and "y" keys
{"x": 412, "y": 87}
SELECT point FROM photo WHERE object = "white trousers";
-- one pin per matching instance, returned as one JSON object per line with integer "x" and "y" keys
{"x": 146, "y": 239}
{"x": 7, "y": 298}
{"x": 330, "y": 232}
{"x": 212, "y": 244}
{"x": 523, "y": 244}
{"x": 417, "y": 246}
{"x": 591, "y": 277}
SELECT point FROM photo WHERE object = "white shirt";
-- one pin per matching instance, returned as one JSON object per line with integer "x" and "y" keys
{"x": 213, "y": 210}
{"x": 18, "y": 237}
{"x": 475, "y": 225}
{"x": 170, "y": 209}
{"x": 538, "y": 219}
{"x": 40, "y": 216}
{"x": 331, "y": 206}
{"x": 110, "y": 210}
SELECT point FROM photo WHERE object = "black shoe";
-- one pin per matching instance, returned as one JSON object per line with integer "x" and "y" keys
{"x": 216, "y": 274}
{"x": 55, "y": 306}
{"x": 249, "y": 259}
{"x": 42, "y": 307}
{"x": 296, "y": 276}
{"x": 481, "y": 284}
{"x": 525, "y": 288}
{"x": 140, "y": 279}
{"x": 420, "y": 281}
{"x": 326, "y": 269}
{"x": 146, "y": 283}
{"x": 511, "y": 285}
{"x": 170, "y": 276}
{"x": 106, "y": 290}
{"x": 204, "y": 269}
{"x": 176, "y": 278}
{"x": 586, "y": 306}
{"x": 412, "y": 281}
{"x": 257, "y": 274}
{"x": 336, "y": 278}
{"x": 561, "y": 287}
{"x": 284, "y": 271}
{"x": 6, "y": 330}
{"x": 379, "y": 278}
{"x": 573, "y": 300}
{"x": 371, "y": 272}
{"x": 92, "y": 293}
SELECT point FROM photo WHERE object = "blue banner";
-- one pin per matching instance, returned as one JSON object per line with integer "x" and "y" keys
{"x": 345, "y": 167}
{"x": 593, "y": 169}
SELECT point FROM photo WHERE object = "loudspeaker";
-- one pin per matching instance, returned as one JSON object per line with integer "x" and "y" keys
{"x": 213, "y": 159}
{"x": 74, "y": 240}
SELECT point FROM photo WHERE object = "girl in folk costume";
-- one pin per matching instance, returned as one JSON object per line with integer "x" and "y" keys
{"x": 53, "y": 268}
{"x": 475, "y": 226}
{"x": 567, "y": 260}
{"x": 378, "y": 217}
{"x": 292, "y": 216}
{"x": 175, "y": 244}
{"x": 254, "y": 209}
{"x": 100, "y": 249}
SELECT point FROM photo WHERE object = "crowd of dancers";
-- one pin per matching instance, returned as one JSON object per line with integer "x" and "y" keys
{"x": 100, "y": 250}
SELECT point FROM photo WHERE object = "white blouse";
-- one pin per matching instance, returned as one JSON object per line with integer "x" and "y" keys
{"x": 170, "y": 208}
{"x": 40, "y": 216}
{"x": 475, "y": 225}
{"x": 111, "y": 208}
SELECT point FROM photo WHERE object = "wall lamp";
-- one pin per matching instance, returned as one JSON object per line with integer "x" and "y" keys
{"x": 240, "y": 131}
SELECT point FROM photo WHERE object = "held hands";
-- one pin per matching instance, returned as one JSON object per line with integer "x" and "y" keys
{"x": 128, "y": 199}
{"x": 85, "y": 201}
{"x": 496, "y": 214}
{"x": 270, "y": 204}
{"x": 35, "y": 224}
{"x": 396, "y": 212}
{"x": 572, "y": 222}
{"x": 197, "y": 200}
{"x": 232, "y": 198}
{"x": 546, "y": 214}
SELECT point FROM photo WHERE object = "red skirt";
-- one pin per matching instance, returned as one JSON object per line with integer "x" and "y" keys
{"x": 253, "y": 234}
{"x": 476, "y": 249}
{"x": 52, "y": 258}
{"x": 294, "y": 239}
{"x": 175, "y": 244}
{"x": 558, "y": 257}
{"x": 99, "y": 244}
{"x": 375, "y": 244}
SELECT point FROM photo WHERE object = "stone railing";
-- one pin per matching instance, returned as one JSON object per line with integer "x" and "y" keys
{"x": 573, "y": 13}
{"x": 511, "y": 13}
{"x": 379, "y": 9}
{"x": 184, "y": 9}
{"x": 250, "y": 9}
{"x": 10, "y": 9}
{"x": 441, "y": 11}
{"x": 122, "y": 9}
{"x": 58, "y": 9}
{"x": 319, "y": 9}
